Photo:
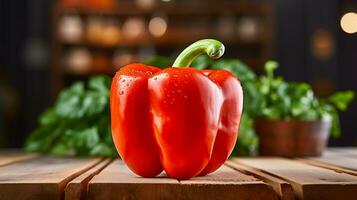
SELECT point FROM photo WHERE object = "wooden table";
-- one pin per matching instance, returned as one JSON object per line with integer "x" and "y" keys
{"x": 332, "y": 176}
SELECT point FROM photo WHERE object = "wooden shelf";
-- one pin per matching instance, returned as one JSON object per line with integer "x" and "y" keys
{"x": 188, "y": 22}
{"x": 165, "y": 41}
{"x": 173, "y": 37}
{"x": 86, "y": 73}
{"x": 176, "y": 8}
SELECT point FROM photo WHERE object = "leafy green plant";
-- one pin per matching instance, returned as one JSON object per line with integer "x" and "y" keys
{"x": 78, "y": 123}
{"x": 279, "y": 99}
{"x": 247, "y": 142}
{"x": 159, "y": 61}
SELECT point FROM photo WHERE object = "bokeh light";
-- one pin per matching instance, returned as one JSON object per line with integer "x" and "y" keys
{"x": 349, "y": 22}
{"x": 157, "y": 26}
{"x": 133, "y": 27}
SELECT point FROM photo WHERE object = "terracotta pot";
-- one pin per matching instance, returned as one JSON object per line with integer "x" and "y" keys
{"x": 293, "y": 138}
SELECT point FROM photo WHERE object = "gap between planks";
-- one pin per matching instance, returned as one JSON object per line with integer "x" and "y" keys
{"x": 116, "y": 181}
{"x": 12, "y": 156}
{"x": 335, "y": 160}
{"x": 327, "y": 165}
{"x": 278, "y": 180}
{"x": 41, "y": 178}
{"x": 78, "y": 188}
{"x": 307, "y": 181}
{"x": 280, "y": 186}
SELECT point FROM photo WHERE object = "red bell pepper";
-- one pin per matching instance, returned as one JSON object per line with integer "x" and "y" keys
{"x": 181, "y": 120}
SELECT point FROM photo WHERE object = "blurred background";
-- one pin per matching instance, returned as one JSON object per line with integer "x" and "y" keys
{"x": 46, "y": 45}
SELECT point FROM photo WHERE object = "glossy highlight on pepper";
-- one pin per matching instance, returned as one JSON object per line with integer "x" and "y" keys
{"x": 181, "y": 120}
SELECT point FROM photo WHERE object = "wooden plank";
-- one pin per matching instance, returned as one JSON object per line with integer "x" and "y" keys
{"x": 280, "y": 186}
{"x": 42, "y": 178}
{"x": 77, "y": 188}
{"x": 343, "y": 151}
{"x": 226, "y": 183}
{"x": 336, "y": 160}
{"x": 308, "y": 182}
{"x": 329, "y": 165}
{"x": 11, "y": 156}
{"x": 117, "y": 182}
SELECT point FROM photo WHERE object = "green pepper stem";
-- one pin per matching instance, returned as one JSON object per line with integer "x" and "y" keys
{"x": 213, "y": 48}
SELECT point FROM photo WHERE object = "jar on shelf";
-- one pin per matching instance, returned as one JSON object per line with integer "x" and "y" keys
{"x": 78, "y": 60}
{"x": 70, "y": 28}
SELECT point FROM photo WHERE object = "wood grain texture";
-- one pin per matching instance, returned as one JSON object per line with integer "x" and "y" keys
{"x": 308, "y": 182}
{"x": 332, "y": 176}
{"x": 77, "y": 189}
{"x": 329, "y": 165}
{"x": 12, "y": 156}
{"x": 42, "y": 178}
{"x": 344, "y": 162}
{"x": 283, "y": 189}
{"x": 117, "y": 182}
{"x": 226, "y": 183}
{"x": 338, "y": 159}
